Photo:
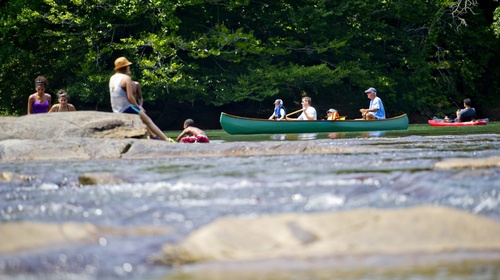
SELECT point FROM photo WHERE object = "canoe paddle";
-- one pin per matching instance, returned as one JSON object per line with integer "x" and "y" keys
{"x": 449, "y": 98}
{"x": 294, "y": 112}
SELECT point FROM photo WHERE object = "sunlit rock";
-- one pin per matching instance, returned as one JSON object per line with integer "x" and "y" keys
{"x": 21, "y": 236}
{"x": 424, "y": 230}
{"x": 62, "y": 125}
{"x": 18, "y": 150}
{"x": 18, "y": 237}
{"x": 462, "y": 163}
{"x": 9, "y": 177}
{"x": 99, "y": 178}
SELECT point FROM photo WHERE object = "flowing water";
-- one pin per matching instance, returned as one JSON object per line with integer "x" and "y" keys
{"x": 184, "y": 194}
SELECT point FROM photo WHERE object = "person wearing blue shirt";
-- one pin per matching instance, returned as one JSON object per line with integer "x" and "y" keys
{"x": 376, "y": 109}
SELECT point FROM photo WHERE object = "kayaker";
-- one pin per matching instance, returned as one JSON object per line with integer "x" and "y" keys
{"x": 122, "y": 96}
{"x": 279, "y": 111}
{"x": 308, "y": 112}
{"x": 467, "y": 114}
{"x": 63, "y": 105}
{"x": 376, "y": 109}
{"x": 195, "y": 135}
{"x": 40, "y": 101}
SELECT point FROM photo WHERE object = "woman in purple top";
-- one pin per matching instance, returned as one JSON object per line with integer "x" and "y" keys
{"x": 39, "y": 102}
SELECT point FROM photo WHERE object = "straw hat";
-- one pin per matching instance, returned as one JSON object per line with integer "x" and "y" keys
{"x": 121, "y": 62}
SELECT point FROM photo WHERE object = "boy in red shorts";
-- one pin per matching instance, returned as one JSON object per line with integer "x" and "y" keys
{"x": 195, "y": 135}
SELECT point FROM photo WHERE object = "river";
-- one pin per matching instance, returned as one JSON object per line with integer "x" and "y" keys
{"x": 186, "y": 193}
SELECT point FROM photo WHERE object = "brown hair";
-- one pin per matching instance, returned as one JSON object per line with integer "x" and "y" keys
{"x": 62, "y": 93}
{"x": 308, "y": 99}
{"x": 41, "y": 81}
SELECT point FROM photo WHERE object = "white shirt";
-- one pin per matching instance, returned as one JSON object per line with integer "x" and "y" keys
{"x": 310, "y": 111}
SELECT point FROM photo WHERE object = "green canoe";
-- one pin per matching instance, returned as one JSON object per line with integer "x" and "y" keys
{"x": 241, "y": 125}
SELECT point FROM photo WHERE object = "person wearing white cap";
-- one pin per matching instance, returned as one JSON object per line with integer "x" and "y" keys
{"x": 122, "y": 96}
{"x": 279, "y": 112}
{"x": 332, "y": 115}
{"x": 376, "y": 109}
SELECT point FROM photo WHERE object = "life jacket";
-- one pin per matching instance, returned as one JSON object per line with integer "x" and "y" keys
{"x": 277, "y": 111}
{"x": 334, "y": 116}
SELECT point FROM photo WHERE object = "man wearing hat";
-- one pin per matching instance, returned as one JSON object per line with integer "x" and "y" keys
{"x": 376, "y": 109}
{"x": 279, "y": 112}
{"x": 122, "y": 96}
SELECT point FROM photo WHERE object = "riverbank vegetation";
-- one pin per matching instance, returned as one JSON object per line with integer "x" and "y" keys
{"x": 424, "y": 57}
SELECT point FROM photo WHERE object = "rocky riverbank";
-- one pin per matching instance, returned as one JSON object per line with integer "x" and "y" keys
{"x": 88, "y": 135}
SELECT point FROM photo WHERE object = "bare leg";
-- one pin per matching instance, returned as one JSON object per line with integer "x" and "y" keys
{"x": 151, "y": 133}
{"x": 370, "y": 116}
{"x": 152, "y": 126}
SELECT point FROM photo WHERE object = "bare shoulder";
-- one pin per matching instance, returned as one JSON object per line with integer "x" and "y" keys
{"x": 126, "y": 80}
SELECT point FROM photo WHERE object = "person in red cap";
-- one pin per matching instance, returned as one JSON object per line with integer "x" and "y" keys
{"x": 122, "y": 96}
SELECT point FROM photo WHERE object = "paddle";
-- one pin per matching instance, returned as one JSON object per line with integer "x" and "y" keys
{"x": 449, "y": 98}
{"x": 294, "y": 112}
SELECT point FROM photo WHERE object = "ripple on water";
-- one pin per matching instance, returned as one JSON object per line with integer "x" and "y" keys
{"x": 186, "y": 193}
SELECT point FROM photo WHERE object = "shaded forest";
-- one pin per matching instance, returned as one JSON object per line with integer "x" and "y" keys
{"x": 196, "y": 58}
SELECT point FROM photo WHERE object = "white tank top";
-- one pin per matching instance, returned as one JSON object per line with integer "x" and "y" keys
{"x": 119, "y": 100}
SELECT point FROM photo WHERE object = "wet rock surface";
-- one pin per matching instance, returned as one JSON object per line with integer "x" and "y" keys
{"x": 362, "y": 232}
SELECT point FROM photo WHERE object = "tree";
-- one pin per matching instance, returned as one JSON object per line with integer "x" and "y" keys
{"x": 418, "y": 54}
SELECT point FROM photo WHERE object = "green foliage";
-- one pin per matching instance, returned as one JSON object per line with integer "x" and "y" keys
{"x": 496, "y": 22}
{"x": 418, "y": 54}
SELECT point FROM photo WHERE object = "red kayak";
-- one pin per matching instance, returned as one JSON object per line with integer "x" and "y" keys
{"x": 440, "y": 122}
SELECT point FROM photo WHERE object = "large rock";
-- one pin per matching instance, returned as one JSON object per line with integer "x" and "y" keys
{"x": 419, "y": 230}
{"x": 16, "y": 150}
{"x": 63, "y": 149}
{"x": 63, "y": 125}
{"x": 471, "y": 163}
{"x": 18, "y": 237}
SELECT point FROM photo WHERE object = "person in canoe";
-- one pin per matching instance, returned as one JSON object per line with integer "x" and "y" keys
{"x": 332, "y": 115}
{"x": 122, "y": 96}
{"x": 194, "y": 134}
{"x": 308, "y": 112}
{"x": 63, "y": 106}
{"x": 279, "y": 111}
{"x": 376, "y": 109}
{"x": 467, "y": 114}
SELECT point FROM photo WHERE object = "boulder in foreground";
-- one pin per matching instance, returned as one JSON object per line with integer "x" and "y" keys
{"x": 420, "y": 230}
